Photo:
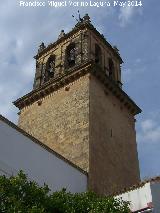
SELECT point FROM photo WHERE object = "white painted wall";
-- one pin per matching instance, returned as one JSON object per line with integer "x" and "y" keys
{"x": 138, "y": 198}
{"x": 6, "y": 170}
{"x": 18, "y": 152}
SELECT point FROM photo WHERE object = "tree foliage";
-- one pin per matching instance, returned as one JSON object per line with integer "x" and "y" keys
{"x": 19, "y": 195}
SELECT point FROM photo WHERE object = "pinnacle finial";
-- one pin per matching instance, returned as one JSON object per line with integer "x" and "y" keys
{"x": 41, "y": 47}
{"x": 62, "y": 34}
{"x": 86, "y": 18}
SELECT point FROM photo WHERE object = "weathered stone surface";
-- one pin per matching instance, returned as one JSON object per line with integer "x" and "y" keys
{"x": 85, "y": 38}
{"x": 113, "y": 160}
{"x": 84, "y": 121}
{"x": 62, "y": 121}
{"x": 91, "y": 128}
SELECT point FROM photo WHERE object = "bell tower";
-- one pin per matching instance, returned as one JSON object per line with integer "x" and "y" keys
{"x": 78, "y": 108}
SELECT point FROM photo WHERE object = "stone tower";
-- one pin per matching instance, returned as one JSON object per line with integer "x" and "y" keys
{"x": 77, "y": 107}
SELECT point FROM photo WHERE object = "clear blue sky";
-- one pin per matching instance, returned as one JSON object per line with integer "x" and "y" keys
{"x": 135, "y": 31}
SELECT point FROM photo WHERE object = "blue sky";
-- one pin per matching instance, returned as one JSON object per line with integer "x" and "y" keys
{"x": 135, "y": 31}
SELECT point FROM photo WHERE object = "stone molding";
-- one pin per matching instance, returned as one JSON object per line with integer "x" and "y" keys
{"x": 70, "y": 76}
{"x": 80, "y": 26}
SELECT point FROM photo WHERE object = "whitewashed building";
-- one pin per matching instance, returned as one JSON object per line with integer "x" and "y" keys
{"x": 20, "y": 151}
{"x": 144, "y": 197}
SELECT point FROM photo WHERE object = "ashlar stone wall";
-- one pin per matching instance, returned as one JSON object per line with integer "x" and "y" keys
{"x": 61, "y": 121}
{"x": 112, "y": 138}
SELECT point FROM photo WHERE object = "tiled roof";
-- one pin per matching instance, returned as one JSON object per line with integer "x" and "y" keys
{"x": 138, "y": 185}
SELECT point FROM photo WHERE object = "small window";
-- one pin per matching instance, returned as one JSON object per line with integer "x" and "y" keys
{"x": 50, "y": 68}
{"x": 111, "y": 68}
{"x": 98, "y": 54}
{"x": 70, "y": 55}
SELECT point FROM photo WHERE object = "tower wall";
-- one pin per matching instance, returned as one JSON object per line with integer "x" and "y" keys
{"x": 61, "y": 121}
{"x": 106, "y": 54}
{"x": 59, "y": 51}
{"x": 82, "y": 121}
{"x": 113, "y": 156}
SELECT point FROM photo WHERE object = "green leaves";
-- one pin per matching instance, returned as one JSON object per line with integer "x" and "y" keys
{"x": 19, "y": 195}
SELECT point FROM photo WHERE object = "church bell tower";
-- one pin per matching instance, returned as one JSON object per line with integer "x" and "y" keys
{"x": 78, "y": 108}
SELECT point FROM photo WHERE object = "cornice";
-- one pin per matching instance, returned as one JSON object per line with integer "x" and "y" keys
{"x": 111, "y": 86}
{"x": 91, "y": 27}
{"x": 71, "y": 76}
{"x": 53, "y": 85}
{"x": 78, "y": 27}
{"x": 60, "y": 40}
